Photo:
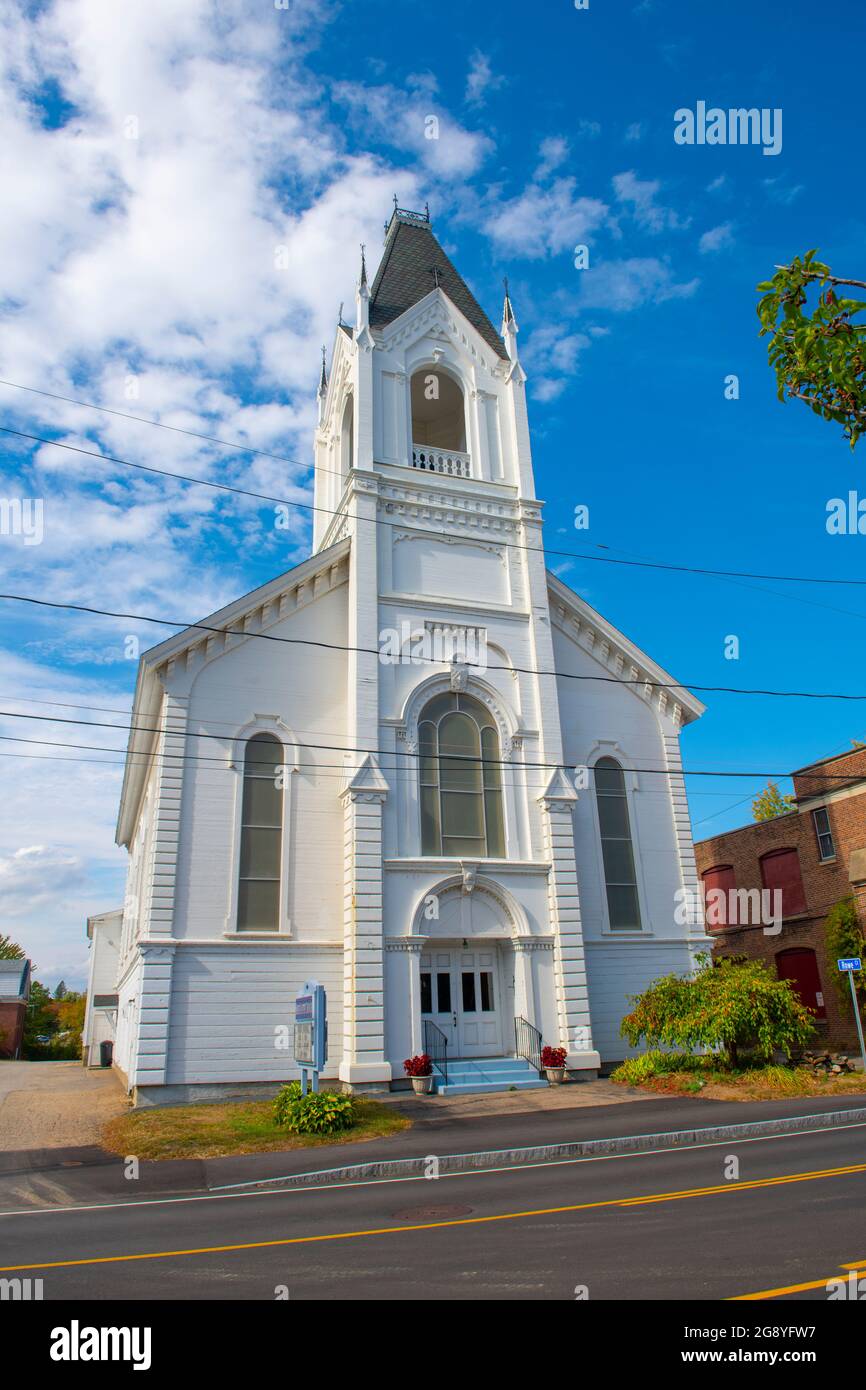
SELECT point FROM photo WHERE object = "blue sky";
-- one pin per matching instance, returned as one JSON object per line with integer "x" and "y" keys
{"x": 152, "y": 162}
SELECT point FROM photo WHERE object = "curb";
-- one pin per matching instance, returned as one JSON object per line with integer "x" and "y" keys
{"x": 551, "y": 1153}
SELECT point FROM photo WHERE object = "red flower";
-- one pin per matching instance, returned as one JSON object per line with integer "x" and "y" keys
{"x": 553, "y": 1056}
{"x": 419, "y": 1066}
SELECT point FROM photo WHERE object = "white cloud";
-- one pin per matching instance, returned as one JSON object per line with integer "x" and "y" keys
{"x": 634, "y": 131}
{"x": 717, "y": 238}
{"x": 481, "y": 79}
{"x": 551, "y": 357}
{"x": 544, "y": 221}
{"x": 627, "y": 284}
{"x": 639, "y": 196}
{"x": 780, "y": 192}
{"x": 415, "y": 121}
{"x": 553, "y": 152}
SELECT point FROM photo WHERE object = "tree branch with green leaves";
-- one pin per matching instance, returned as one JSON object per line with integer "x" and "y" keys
{"x": 816, "y": 348}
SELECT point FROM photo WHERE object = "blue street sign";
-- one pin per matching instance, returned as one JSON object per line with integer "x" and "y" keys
{"x": 850, "y": 963}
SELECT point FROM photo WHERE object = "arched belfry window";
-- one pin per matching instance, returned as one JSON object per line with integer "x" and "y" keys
{"x": 461, "y": 779}
{"x": 438, "y": 416}
{"x": 623, "y": 908}
{"x": 261, "y": 836}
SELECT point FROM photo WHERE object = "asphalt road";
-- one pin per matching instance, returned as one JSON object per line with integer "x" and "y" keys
{"x": 670, "y": 1225}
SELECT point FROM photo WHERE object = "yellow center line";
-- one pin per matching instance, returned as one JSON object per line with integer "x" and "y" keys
{"x": 794, "y": 1288}
{"x": 461, "y": 1221}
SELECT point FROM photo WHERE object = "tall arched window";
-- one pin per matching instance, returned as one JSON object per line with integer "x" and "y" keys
{"x": 619, "y": 875}
{"x": 347, "y": 438}
{"x": 461, "y": 779}
{"x": 261, "y": 836}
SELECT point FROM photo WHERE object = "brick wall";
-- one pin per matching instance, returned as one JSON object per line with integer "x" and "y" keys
{"x": 824, "y": 882}
{"x": 12, "y": 1025}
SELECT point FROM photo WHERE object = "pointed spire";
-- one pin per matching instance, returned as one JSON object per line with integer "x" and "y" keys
{"x": 322, "y": 393}
{"x": 509, "y": 322}
{"x": 362, "y": 305}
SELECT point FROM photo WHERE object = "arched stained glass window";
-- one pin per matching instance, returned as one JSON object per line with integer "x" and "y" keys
{"x": 618, "y": 855}
{"x": 461, "y": 779}
{"x": 261, "y": 836}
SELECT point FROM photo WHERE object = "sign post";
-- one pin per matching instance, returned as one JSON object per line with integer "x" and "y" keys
{"x": 849, "y": 964}
{"x": 311, "y": 1033}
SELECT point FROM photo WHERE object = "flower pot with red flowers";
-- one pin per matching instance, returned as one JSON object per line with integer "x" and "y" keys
{"x": 553, "y": 1061}
{"x": 420, "y": 1071}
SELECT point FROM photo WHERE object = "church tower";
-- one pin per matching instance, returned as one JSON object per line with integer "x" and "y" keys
{"x": 461, "y": 868}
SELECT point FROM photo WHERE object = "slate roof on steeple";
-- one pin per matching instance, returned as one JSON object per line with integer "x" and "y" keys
{"x": 405, "y": 276}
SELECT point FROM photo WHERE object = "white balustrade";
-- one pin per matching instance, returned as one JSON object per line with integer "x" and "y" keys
{"x": 449, "y": 461}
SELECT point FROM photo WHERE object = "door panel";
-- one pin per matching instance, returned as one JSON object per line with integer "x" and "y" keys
{"x": 461, "y": 993}
{"x": 438, "y": 997}
{"x": 801, "y": 966}
{"x": 479, "y": 1023}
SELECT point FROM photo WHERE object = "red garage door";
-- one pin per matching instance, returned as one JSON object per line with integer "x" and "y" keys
{"x": 801, "y": 966}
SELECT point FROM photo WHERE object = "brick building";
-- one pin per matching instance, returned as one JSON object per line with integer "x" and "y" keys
{"x": 804, "y": 863}
{"x": 14, "y": 993}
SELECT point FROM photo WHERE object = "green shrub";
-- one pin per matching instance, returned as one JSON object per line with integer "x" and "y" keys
{"x": 318, "y": 1112}
{"x": 634, "y": 1071}
{"x": 734, "y": 1005}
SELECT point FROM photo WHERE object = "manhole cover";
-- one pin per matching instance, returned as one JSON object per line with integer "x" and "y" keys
{"x": 431, "y": 1213}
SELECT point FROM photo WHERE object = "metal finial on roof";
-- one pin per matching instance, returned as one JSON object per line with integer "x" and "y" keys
{"x": 323, "y": 380}
{"x": 363, "y": 267}
{"x": 395, "y": 202}
{"x": 435, "y": 272}
{"x": 340, "y": 314}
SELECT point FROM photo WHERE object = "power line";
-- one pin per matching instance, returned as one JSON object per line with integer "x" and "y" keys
{"x": 428, "y": 661}
{"x": 161, "y": 425}
{"x": 379, "y": 521}
{"x": 383, "y": 752}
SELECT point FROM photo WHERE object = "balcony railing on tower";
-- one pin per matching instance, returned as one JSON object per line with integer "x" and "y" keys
{"x": 451, "y": 462}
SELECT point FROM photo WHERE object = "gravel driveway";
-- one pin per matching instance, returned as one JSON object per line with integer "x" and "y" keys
{"x": 55, "y": 1105}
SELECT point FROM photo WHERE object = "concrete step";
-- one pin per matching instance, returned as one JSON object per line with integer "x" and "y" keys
{"x": 481, "y": 1075}
{"x": 479, "y": 1087}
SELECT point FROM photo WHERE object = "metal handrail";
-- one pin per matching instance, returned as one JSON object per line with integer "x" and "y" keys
{"x": 436, "y": 1046}
{"x": 527, "y": 1042}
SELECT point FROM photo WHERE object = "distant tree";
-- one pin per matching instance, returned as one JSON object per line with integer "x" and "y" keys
{"x": 69, "y": 1012}
{"x": 60, "y": 992}
{"x": 40, "y": 1020}
{"x": 9, "y": 949}
{"x": 844, "y": 936}
{"x": 771, "y": 803}
{"x": 819, "y": 356}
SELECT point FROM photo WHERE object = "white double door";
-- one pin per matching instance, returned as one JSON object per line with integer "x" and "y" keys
{"x": 461, "y": 992}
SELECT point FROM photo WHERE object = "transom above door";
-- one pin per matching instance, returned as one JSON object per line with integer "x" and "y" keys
{"x": 461, "y": 992}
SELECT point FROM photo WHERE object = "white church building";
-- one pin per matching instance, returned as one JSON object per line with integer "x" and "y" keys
{"x": 417, "y": 768}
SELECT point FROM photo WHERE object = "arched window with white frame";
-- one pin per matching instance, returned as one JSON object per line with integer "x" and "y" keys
{"x": 623, "y": 905}
{"x": 460, "y": 779}
{"x": 261, "y": 842}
